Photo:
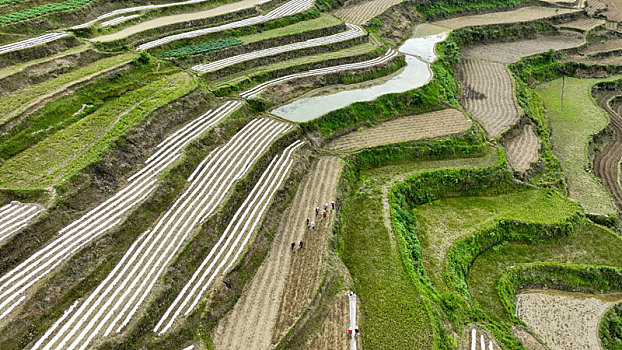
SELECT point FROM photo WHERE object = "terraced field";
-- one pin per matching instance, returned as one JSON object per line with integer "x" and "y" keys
{"x": 606, "y": 163}
{"x": 572, "y": 127}
{"x": 290, "y": 8}
{"x": 420, "y": 216}
{"x": 15, "y": 284}
{"x": 488, "y": 95}
{"x": 352, "y": 32}
{"x": 522, "y": 151}
{"x": 226, "y": 252}
{"x": 510, "y": 52}
{"x": 362, "y": 12}
{"x": 584, "y": 24}
{"x": 117, "y": 299}
{"x": 523, "y": 14}
{"x": 565, "y": 320}
{"x": 26, "y": 99}
{"x": 270, "y": 302}
{"x": 417, "y": 127}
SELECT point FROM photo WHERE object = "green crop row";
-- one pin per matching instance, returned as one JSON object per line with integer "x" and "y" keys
{"x": 67, "y": 151}
{"x": 610, "y": 329}
{"x": 41, "y": 10}
{"x": 203, "y": 47}
{"x": 2, "y": 2}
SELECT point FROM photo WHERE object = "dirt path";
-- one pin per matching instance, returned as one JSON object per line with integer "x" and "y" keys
{"x": 488, "y": 95}
{"x": 416, "y": 127}
{"x": 362, "y": 12}
{"x": 184, "y": 17}
{"x": 606, "y": 163}
{"x": 564, "y": 320}
{"x": 255, "y": 317}
{"x": 522, "y": 150}
{"x": 524, "y": 14}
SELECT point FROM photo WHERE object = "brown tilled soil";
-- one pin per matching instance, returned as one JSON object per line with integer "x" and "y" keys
{"x": 286, "y": 281}
{"x": 606, "y": 163}
{"x": 522, "y": 150}
{"x": 416, "y": 127}
{"x": 488, "y": 95}
{"x": 564, "y": 320}
{"x": 510, "y": 52}
{"x": 184, "y": 17}
{"x": 583, "y": 24}
{"x": 524, "y": 14}
{"x": 362, "y": 12}
{"x": 612, "y": 9}
{"x": 333, "y": 333}
{"x": 603, "y": 45}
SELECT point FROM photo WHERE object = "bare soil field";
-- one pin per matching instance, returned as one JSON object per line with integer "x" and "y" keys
{"x": 583, "y": 24}
{"x": 510, "y": 52}
{"x": 333, "y": 335}
{"x": 184, "y": 17}
{"x": 612, "y": 9}
{"x": 606, "y": 163}
{"x": 564, "y": 320}
{"x": 286, "y": 281}
{"x": 416, "y": 127}
{"x": 524, "y": 14}
{"x": 362, "y": 12}
{"x": 602, "y": 46}
{"x": 488, "y": 95}
{"x": 522, "y": 150}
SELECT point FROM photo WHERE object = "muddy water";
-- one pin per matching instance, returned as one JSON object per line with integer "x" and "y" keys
{"x": 419, "y": 50}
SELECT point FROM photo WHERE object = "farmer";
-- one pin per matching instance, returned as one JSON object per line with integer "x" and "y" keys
{"x": 326, "y": 206}
{"x": 301, "y": 244}
{"x": 317, "y": 211}
{"x": 324, "y": 213}
{"x": 333, "y": 204}
{"x": 293, "y": 246}
{"x": 313, "y": 225}
{"x": 307, "y": 221}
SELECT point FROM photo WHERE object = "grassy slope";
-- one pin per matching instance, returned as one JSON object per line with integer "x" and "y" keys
{"x": 591, "y": 244}
{"x": 441, "y": 223}
{"x": 393, "y": 315}
{"x": 572, "y": 128}
{"x": 67, "y": 151}
{"x": 12, "y": 104}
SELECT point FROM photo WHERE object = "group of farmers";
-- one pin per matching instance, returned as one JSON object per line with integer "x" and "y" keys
{"x": 311, "y": 224}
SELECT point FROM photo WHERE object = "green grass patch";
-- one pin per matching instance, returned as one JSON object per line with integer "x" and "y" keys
{"x": 41, "y": 10}
{"x": 591, "y": 244}
{"x": 443, "y": 222}
{"x": 573, "y": 123}
{"x": 67, "y": 151}
{"x": 207, "y": 46}
{"x": 444, "y": 8}
{"x": 12, "y": 104}
{"x": 610, "y": 328}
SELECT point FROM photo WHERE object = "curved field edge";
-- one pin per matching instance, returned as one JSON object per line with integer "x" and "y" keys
{"x": 567, "y": 277}
{"x": 610, "y": 327}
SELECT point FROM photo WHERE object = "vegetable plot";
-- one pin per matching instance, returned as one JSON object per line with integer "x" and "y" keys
{"x": 113, "y": 304}
{"x": 15, "y": 284}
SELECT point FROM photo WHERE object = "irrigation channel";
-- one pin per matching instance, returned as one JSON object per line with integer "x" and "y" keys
{"x": 15, "y": 284}
{"x": 419, "y": 50}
